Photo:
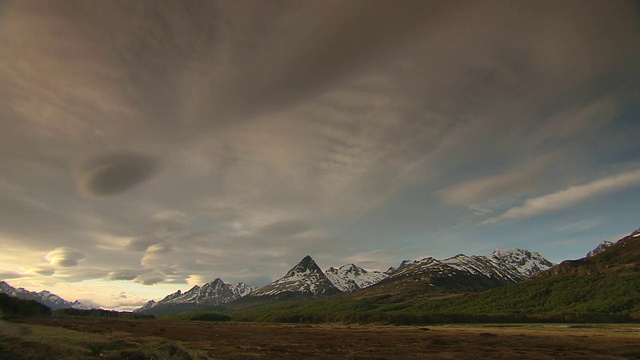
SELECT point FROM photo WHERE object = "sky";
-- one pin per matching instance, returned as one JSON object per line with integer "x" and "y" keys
{"x": 148, "y": 146}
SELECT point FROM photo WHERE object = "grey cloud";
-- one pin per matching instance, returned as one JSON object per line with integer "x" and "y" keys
{"x": 44, "y": 271}
{"x": 124, "y": 274}
{"x": 170, "y": 220}
{"x": 76, "y": 274}
{"x": 10, "y": 275}
{"x": 64, "y": 257}
{"x": 152, "y": 280}
{"x": 141, "y": 244}
{"x": 320, "y": 43}
{"x": 112, "y": 174}
{"x": 284, "y": 228}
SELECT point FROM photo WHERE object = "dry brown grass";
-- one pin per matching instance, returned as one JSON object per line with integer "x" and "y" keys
{"x": 155, "y": 339}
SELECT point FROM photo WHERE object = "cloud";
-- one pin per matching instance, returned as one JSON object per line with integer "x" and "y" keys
{"x": 285, "y": 228}
{"x": 10, "y": 275}
{"x": 43, "y": 270}
{"x": 194, "y": 280}
{"x": 64, "y": 257}
{"x": 571, "y": 196}
{"x": 151, "y": 280}
{"x": 112, "y": 174}
{"x": 170, "y": 220}
{"x": 472, "y": 191}
{"x": 374, "y": 257}
{"x": 124, "y": 274}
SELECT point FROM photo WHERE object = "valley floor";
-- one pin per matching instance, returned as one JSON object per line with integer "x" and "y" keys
{"x": 63, "y": 338}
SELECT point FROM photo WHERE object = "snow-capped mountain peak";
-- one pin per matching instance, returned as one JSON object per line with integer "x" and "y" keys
{"x": 524, "y": 262}
{"x": 305, "y": 278}
{"x": 602, "y": 247}
{"x": 350, "y": 277}
{"x": 147, "y": 306}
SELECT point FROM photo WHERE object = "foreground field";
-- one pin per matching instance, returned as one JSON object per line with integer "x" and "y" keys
{"x": 155, "y": 339}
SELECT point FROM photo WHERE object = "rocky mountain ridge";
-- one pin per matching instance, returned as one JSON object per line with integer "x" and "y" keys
{"x": 351, "y": 277}
{"x": 215, "y": 293}
{"x": 53, "y": 301}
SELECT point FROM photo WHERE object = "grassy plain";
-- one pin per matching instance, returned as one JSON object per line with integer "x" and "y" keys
{"x": 80, "y": 338}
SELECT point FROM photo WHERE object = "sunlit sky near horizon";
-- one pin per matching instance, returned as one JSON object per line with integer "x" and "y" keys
{"x": 148, "y": 146}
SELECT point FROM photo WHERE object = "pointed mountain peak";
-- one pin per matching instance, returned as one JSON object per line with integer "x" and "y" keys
{"x": 305, "y": 265}
{"x": 306, "y": 278}
{"x": 217, "y": 282}
{"x": 307, "y": 260}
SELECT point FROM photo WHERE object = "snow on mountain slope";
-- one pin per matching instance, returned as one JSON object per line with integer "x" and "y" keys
{"x": 524, "y": 262}
{"x": 350, "y": 277}
{"x": 603, "y": 246}
{"x": 242, "y": 289}
{"x": 53, "y": 301}
{"x": 150, "y": 304}
{"x": 214, "y": 293}
{"x": 504, "y": 265}
{"x": 305, "y": 278}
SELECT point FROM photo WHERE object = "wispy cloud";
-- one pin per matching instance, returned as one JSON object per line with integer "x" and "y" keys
{"x": 571, "y": 196}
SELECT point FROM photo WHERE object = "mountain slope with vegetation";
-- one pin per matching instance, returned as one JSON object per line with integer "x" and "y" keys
{"x": 601, "y": 288}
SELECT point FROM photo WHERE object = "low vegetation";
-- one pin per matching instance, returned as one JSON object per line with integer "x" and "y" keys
{"x": 79, "y": 338}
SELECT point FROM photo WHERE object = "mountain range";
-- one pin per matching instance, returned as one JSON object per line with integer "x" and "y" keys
{"x": 212, "y": 294}
{"x": 306, "y": 281}
{"x": 53, "y": 301}
{"x": 432, "y": 278}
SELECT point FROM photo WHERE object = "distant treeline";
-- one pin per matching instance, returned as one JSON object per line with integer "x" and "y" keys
{"x": 440, "y": 318}
{"x": 11, "y": 306}
{"x": 99, "y": 313}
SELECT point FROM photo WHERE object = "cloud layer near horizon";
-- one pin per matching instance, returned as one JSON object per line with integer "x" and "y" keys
{"x": 169, "y": 142}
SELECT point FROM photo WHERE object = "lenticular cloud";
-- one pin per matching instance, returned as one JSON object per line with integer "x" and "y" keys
{"x": 113, "y": 174}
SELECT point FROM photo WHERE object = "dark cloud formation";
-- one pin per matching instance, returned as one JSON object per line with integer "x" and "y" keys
{"x": 113, "y": 174}
{"x": 124, "y": 275}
